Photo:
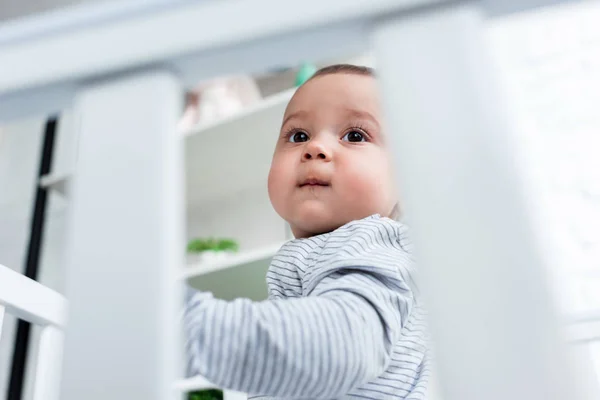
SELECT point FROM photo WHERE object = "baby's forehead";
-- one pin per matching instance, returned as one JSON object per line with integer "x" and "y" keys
{"x": 341, "y": 94}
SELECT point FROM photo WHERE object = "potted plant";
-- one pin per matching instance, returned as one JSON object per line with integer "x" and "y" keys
{"x": 206, "y": 394}
{"x": 211, "y": 249}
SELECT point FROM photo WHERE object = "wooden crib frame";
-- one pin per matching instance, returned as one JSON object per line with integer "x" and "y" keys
{"x": 494, "y": 325}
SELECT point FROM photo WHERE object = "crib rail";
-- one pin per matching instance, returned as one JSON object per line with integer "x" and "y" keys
{"x": 29, "y": 300}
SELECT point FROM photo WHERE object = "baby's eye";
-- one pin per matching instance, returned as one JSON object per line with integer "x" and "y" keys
{"x": 298, "y": 137}
{"x": 354, "y": 136}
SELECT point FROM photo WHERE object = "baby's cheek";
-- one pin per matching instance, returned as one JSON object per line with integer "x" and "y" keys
{"x": 278, "y": 185}
{"x": 274, "y": 183}
{"x": 361, "y": 188}
{"x": 369, "y": 189}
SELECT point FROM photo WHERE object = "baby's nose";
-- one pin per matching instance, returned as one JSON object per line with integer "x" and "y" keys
{"x": 316, "y": 151}
{"x": 310, "y": 156}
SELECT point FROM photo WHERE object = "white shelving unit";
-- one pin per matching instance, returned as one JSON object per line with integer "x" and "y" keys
{"x": 224, "y": 157}
{"x": 230, "y": 261}
{"x": 239, "y": 275}
{"x": 227, "y": 163}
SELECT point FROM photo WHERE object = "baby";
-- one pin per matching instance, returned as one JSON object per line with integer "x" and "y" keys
{"x": 344, "y": 318}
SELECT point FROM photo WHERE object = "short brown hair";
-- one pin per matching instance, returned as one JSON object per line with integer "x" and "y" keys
{"x": 344, "y": 69}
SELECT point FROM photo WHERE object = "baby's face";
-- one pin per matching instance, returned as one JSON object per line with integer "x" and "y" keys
{"x": 331, "y": 164}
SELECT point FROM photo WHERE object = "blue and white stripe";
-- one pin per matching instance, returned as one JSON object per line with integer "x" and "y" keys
{"x": 343, "y": 321}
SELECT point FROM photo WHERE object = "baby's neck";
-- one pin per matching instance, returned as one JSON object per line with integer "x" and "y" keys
{"x": 302, "y": 234}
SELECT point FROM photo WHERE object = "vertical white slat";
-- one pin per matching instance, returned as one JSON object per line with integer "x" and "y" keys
{"x": 125, "y": 242}
{"x": 48, "y": 364}
{"x": 493, "y": 325}
{"x": 2, "y": 311}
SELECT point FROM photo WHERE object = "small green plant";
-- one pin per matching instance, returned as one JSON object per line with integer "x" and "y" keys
{"x": 200, "y": 245}
{"x": 208, "y": 394}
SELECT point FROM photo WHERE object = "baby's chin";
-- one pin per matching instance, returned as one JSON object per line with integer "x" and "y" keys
{"x": 315, "y": 219}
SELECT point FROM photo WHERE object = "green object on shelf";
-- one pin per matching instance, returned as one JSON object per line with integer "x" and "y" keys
{"x": 199, "y": 245}
{"x": 306, "y": 71}
{"x": 208, "y": 394}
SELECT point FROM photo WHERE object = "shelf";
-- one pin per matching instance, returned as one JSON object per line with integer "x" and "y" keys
{"x": 241, "y": 275}
{"x": 200, "y": 383}
{"x": 194, "y": 383}
{"x": 233, "y": 261}
{"x": 225, "y": 157}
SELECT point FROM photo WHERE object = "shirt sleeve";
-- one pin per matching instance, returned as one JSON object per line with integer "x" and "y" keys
{"x": 320, "y": 346}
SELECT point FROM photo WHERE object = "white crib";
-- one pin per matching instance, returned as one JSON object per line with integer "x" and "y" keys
{"x": 35, "y": 303}
{"x": 437, "y": 85}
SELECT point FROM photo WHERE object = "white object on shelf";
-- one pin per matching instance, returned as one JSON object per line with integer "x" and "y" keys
{"x": 232, "y": 261}
{"x": 265, "y": 105}
{"x": 240, "y": 145}
{"x": 218, "y": 99}
{"x": 58, "y": 182}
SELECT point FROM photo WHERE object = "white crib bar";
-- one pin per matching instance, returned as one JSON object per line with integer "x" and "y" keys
{"x": 491, "y": 315}
{"x": 29, "y": 300}
{"x": 49, "y": 364}
{"x": 125, "y": 242}
{"x": 2, "y": 311}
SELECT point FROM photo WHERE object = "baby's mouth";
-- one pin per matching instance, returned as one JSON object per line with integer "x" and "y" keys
{"x": 314, "y": 183}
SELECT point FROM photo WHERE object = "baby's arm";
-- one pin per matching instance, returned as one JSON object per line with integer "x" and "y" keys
{"x": 321, "y": 346}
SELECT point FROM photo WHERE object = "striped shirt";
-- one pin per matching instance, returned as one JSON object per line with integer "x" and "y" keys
{"x": 343, "y": 321}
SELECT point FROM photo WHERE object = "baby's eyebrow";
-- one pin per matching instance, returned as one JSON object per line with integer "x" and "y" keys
{"x": 361, "y": 114}
{"x": 350, "y": 112}
{"x": 297, "y": 114}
